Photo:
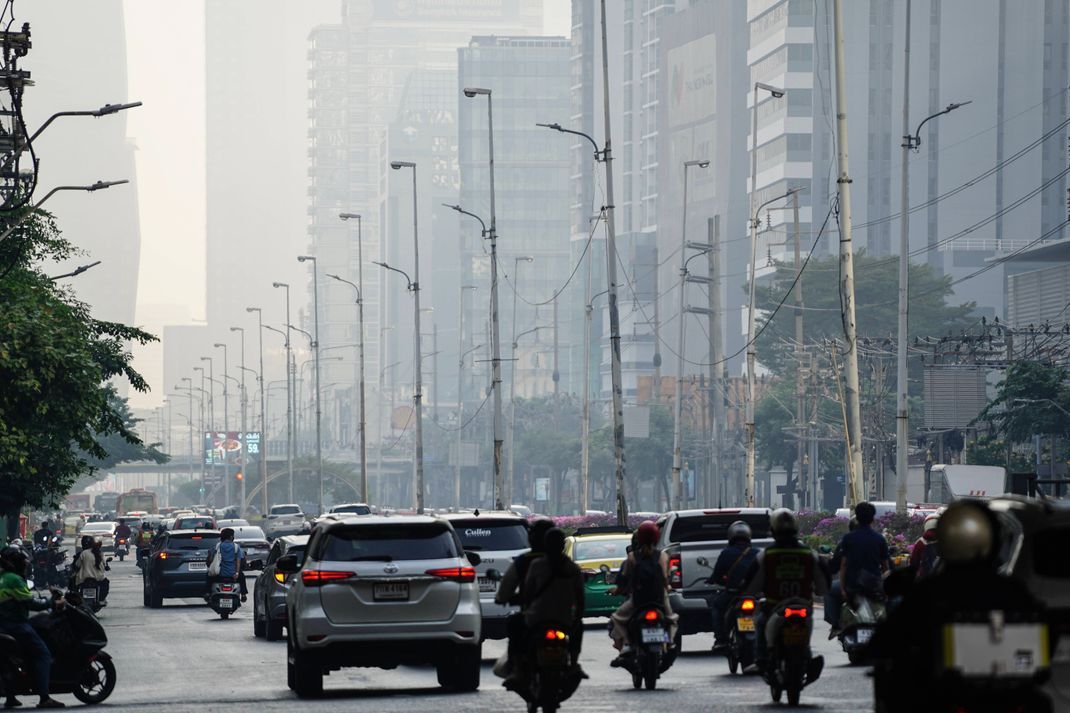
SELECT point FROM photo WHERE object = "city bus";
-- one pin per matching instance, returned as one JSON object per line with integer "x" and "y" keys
{"x": 105, "y": 502}
{"x": 136, "y": 500}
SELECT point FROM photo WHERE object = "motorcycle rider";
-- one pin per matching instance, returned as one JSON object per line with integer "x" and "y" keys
{"x": 833, "y": 597}
{"x": 647, "y": 570}
{"x": 909, "y": 646}
{"x": 787, "y": 569}
{"x": 554, "y": 594}
{"x": 865, "y": 557}
{"x": 90, "y": 564}
{"x": 43, "y": 534}
{"x": 16, "y": 602}
{"x": 924, "y": 557}
{"x": 730, "y": 572}
{"x": 511, "y": 591}
{"x": 231, "y": 558}
{"x": 123, "y": 532}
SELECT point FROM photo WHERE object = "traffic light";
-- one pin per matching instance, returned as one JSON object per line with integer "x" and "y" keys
{"x": 239, "y": 475}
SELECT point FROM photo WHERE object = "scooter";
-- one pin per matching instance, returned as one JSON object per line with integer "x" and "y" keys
{"x": 652, "y": 650}
{"x": 79, "y": 663}
{"x": 741, "y": 632}
{"x": 551, "y": 678}
{"x": 89, "y": 592}
{"x": 122, "y": 548}
{"x": 858, "y": 621}
{"x": 791, "y": 667}
{"x": 224, "y": 598}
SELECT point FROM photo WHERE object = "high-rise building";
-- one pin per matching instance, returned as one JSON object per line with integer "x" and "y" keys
{"x": 359, "y": 71}
{"x": 78, "y": 62}
{"x": 529, "y": 78}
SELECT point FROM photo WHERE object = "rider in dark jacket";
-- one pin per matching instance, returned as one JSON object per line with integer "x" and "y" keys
{"x": 730, "y": 572}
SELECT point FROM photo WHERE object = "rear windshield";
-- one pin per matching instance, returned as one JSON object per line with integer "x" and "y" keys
{"x": 192, "y": 523}
{"x": 388, "y": 543}
{"x": 705, "y": 528}
{"x": 602, "y": 549}
{"x": 355, "y": 509}
{"x": 285, "y": 510}
{"x": 492, "y": 535}
{"x": 192, "y": 542}
{"x": 249, "y": 532}
{"x": 1049, "y": 553}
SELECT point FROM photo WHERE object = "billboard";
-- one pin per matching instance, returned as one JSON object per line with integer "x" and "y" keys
{"x": 225, "y": 447}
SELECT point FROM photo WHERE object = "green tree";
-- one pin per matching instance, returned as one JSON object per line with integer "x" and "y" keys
{"x": 876, "y": 286}
{"x": 1033, "y": 399}
{"x": 55, "y": 363}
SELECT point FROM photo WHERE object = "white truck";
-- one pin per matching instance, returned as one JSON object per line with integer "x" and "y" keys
{"x": 948, "y": 483}
{"x": 285, "y": 519}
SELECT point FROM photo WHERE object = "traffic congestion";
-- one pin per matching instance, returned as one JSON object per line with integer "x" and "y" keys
{"x": 728, "y": 605}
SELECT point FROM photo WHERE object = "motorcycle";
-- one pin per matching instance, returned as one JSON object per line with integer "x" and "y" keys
{"x": 551, "y": 678}
{"x": 224, "y": 598}
{"x": 50, "y": 568}
{"x": 90, "y": 595}
{"x": 122, "y": 548}
{"x": 858, "y": 621}
{"x": 791, "y": 667}
{"x": 741, "y": 633}
{"x": 79, "y": 663}
{"x": 652, "y": 650}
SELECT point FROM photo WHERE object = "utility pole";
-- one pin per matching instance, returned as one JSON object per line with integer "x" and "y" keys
{"x": 847, "y": 271}
{"x": 512, "y": 375}
{"x": 289, "y": 396}
{"x": 316, "y": 355}
{"x": 902, "y": 418}
{"x": 263, "y": 412}
{"x": 460, "y": 399}
{"x": 244, "y": 424}
{"x": 713, "y": 228}
{"x": 585, "y": 427}
{"x": 611, "y": 277}
{"x": 800, "y": 389}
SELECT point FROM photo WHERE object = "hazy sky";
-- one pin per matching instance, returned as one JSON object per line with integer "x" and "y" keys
{"x": 165, "y": 43}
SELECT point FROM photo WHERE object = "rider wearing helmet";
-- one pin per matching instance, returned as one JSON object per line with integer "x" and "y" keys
{"x": 968, "y": 587}
{"x": 16, "y": 603}
{"x": 730, "y": 572}
{"x": 553, "y": 592}
{"x": 924, "y": 557}
{"x": 511, "y": 591}
{"x": 647, "y": 570}
{"x": 787, "y": 569}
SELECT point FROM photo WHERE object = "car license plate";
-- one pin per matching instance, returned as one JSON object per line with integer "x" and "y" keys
{"x": 89, "y": 594}
{"x": 745, "y": 623}
{"x": 552, "y": 656}
{"x": 655, "y": 635}
{"x": 226, "y": 603}
{"x": 864, "y": 635}
{"x": 487, "y": 585}
{"x": 391, "y": 592}
{"x": 198, "y": 566}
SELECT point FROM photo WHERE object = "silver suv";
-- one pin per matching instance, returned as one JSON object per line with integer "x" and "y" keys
{"x": 382, "y": 592}
{"x": 497, "y": 537}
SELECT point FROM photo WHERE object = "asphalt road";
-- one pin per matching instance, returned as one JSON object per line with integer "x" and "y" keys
{"x": 184, "y": 658}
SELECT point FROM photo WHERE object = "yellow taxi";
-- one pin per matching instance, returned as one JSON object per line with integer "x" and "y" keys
{"x": 591, "y": 548}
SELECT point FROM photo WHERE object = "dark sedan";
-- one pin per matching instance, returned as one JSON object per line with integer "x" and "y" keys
{"x": 177, "y": 566}
{"x": 255, "y": 544}
{"x": 269, "y": 593}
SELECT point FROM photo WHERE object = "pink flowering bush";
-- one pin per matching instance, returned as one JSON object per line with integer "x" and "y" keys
{"x": 571, "y": 523}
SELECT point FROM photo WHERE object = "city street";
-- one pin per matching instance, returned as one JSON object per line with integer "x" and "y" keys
{"x": 184, "y": 658}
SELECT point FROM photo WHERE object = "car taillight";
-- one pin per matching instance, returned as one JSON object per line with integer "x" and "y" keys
{"x": 676, "y": 577}
{"x": 454, "y": 574}
{"x": 650, "y": 615}
{"x": 790, "y": 613}
{"x": 555, "y": 635}
{"x": 319, "y": 577}
{"x": 280, "y": 577}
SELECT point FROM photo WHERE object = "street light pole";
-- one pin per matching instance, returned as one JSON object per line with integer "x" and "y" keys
{"x": 244, "y": 424}
{"x": 777, "y": 93}
{"x": 226, "y": 427}
{"x": 191, "y": 453}
{"x": 512, "y": 376}
{"x": 460, "y": 399}
{"x": 212, "y": 425}
{"x": 263, "y": 412}
{"x": 495, "y": 338}
{"x": 316, "y": 347}
{"x": 677, "y": 461}
{"x": 361, "y": 426}
{"x": 204, "y": 431}
{"x": 289, "y": 395}
{"x": 415, "y": 287}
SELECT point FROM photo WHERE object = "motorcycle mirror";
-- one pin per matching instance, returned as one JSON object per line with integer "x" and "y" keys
{"x": 473, "y": 557}
{"x": 29, "y": 584}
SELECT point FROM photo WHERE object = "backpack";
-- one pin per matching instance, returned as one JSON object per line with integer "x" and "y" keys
{"x": 217, "y": 561}
{"x": 647, "y": 579}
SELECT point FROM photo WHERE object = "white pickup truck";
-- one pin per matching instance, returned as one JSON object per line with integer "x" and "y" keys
{"x": 686, "y": 536}
{"x": 285, "y": 519}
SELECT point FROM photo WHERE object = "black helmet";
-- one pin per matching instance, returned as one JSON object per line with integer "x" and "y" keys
{"x": 14, "y": 559}
{"x": 739, "y": 530}
{"x": 554, "y": 541}
{"x": 537, "y": 533}
{"x": 87, "y": 541}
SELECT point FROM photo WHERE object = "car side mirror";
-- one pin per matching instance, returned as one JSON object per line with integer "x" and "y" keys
{"x": 494, "y": 575}
{"x": 287, "y": 564}
{"x": 474, "y": 558}
{"x": 604, "y": 569}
